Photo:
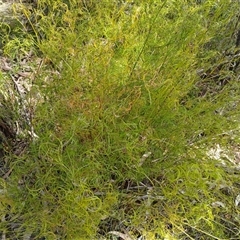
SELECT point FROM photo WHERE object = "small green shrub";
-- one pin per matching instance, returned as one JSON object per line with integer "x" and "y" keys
{"x": 125, "y": 127}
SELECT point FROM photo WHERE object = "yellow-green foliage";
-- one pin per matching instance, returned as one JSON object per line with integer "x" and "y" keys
{"x": 125, "y": 88}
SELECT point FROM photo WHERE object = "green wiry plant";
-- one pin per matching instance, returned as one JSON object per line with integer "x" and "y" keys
{"x": 123, "y": 132}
